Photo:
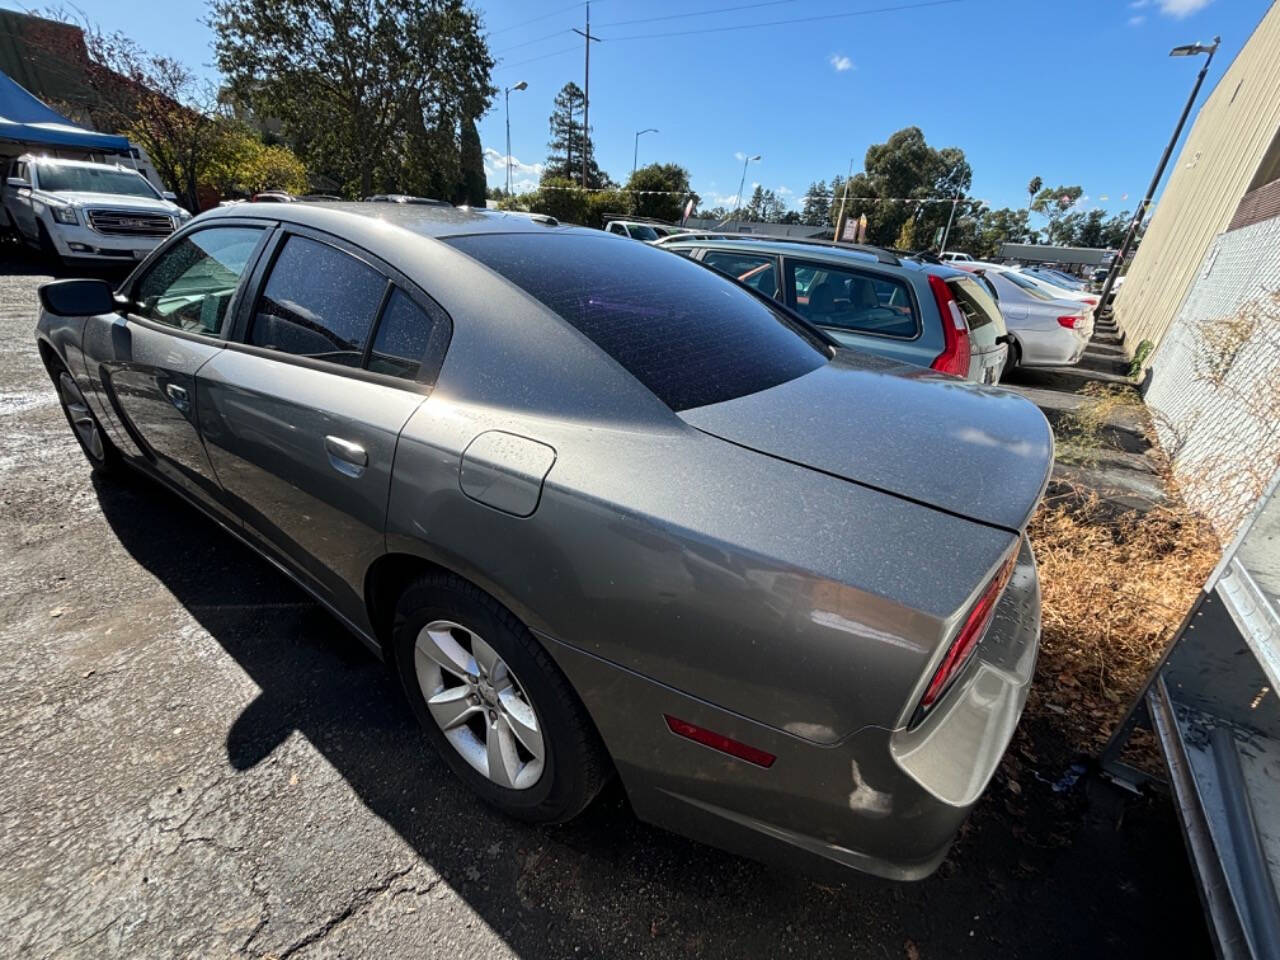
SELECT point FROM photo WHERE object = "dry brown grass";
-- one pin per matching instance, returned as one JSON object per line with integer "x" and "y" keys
{"x": 1115, "y": 587}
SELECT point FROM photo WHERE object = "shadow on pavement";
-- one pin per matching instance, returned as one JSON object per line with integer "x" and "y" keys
{"x": 1033, "y": 875}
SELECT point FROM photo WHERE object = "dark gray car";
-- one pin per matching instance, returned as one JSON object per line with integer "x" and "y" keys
{"x": 926, "y": 314}
{"x": 602, "y": 509}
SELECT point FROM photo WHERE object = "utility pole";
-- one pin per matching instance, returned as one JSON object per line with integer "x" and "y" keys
{"x": 1186, "y": 50}
{"x": 946, "y": 233}
{"x": 586, "y": 92}
{"x": 843, "y": 198}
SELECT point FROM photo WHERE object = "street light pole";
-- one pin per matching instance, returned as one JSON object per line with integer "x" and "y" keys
{"x": 1186, "y": 50}
{"x": 737, "y": 206}
{"x": 635, "y": 156}
{"x": 507, "y": 94}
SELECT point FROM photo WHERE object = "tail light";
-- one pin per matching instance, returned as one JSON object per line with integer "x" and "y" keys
{"x": 971, "y": 631}
{"x": 1072, "y": 322}
{"x": 1091, "y": 301}
{"x": 954, "y": 358}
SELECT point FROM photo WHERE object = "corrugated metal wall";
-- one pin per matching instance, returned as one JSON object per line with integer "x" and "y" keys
{"x": 1230, "y": 137}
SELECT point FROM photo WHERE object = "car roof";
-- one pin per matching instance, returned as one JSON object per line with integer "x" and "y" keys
{"x": 422, "y": 219}
{"x": 826, "y": 251}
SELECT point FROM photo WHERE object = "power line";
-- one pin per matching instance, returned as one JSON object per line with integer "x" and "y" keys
{"x": 545, "y": 16}
{"x": 697, "y": 13}
{"x": 558, "y": 53}
{"x": 787, "y": 22}
{"x": 527, "y": 43}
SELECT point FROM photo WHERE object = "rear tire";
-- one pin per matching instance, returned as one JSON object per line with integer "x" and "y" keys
{"x": 497, "y": 702}
{"x": 98, "y": 449}
{"x": 1011, "y": 360}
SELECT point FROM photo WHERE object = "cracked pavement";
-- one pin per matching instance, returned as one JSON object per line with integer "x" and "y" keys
{"x": 196, "y": 761}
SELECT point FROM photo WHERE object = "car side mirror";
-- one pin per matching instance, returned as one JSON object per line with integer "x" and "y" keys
{"x": 19, "y": 183}
{"x": 170, "y": 196}
{"x": 77, "y": 298}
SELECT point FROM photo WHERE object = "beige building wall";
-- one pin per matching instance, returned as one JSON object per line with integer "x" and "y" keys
{"x": 1230, "y": 137}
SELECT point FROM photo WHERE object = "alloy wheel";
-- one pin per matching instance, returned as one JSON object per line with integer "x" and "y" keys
{"x": 82, "y": 419}
{"x": 479, "y": 704}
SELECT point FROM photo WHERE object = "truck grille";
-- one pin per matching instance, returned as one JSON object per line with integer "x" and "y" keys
{"x": 120, "y": 224}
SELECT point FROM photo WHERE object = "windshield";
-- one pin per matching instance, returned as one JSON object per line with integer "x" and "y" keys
{"x": 641, "y": 232}
{"x": 57, "y": 178}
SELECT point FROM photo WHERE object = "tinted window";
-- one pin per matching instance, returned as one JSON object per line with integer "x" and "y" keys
{"x": 403, "y": 338}
{"x": 831, "y": 296}
{"x": 752, "y": 269}
{"x": 191, "y": 284}
{"x": 319, "y": 302}
{"x": 688, "y": 335}
{"x": 980, "y": 311}
{"x": 618, "y": 229}
{"x": 640, "y": 231}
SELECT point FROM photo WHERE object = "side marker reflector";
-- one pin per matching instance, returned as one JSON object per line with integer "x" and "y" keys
{"x": 718, "y": 741}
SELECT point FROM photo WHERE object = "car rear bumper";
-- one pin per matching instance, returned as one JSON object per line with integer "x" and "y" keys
{"x": 886, "y": 802}
{"x": 1061, "y": 347}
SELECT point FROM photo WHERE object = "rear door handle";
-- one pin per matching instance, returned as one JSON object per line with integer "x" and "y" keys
{"x": 346, "y": 457}
{"x": 179, "y": 397}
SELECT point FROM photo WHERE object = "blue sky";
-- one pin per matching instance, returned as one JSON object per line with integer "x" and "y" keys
{"x": 1074, "y": 91}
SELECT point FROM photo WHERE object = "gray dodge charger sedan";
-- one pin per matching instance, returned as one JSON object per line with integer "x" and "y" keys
{"x": 603, "y": 509}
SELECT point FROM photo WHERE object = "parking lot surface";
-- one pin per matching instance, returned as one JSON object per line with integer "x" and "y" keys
{"x": 198, "y": 761}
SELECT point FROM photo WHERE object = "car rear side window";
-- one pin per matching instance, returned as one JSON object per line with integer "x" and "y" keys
{"x": 318, "y": 302}
{"x": 407, "y": 335}
{"x": 985, "y": 320}
{"x": 846, "y": 299}
{"x": 755, "y": 271}
{"x": 688, "y": 335}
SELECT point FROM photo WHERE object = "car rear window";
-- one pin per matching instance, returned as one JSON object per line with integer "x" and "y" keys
{"x": 689, "y": 335}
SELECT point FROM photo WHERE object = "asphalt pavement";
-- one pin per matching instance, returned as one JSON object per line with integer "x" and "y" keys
{"x": 197, "y": 761}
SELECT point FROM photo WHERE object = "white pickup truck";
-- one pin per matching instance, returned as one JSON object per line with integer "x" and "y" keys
{"x": 76, "y": 210}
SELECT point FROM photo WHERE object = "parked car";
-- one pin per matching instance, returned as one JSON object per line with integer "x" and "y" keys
{"x": 273, "y": 196}
{"x": 1058, "y": 278}
{"x": 77, "y": 210}
{"x": 602, "y": 510}
{"x": 1045, "y": 331}
{"x": 634, "y": 230}
{"x": 953, "y": 255}
{"x": 928, "y": 315}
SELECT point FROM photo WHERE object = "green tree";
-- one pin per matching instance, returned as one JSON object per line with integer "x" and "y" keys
{"x": 998, "y": 227}
{"x": 816, "y": 206}
{"x": 672, "y": 180}
{"x": 569, "y": 141}
{"x": 1033, "y": 188}
{"x": 903, "y": 171}
{"x": 1054, "y": 203}
{"x": 353, "y": 81}
{"x": 471, "y": 189}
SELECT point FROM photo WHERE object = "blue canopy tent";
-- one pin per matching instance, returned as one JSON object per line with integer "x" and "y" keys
{"x": 26, "y": 120}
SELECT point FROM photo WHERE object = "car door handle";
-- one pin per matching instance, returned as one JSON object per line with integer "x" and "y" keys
{"x": 179, "y": 397}
{"x": 346, "y": 457}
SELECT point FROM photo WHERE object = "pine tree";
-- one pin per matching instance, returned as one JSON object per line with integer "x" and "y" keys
{"x": 816, "y": 205}
{"x": 567, "y": 141}
{"x": 471, "y": 189}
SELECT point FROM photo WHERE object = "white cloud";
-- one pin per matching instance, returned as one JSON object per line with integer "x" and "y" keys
{"x": 1137, "y": 21}
{"x": 524, "y": 176}
{"x": 842, "y": 63}
{"x": 784, "y": 191}
{"x": 1178, "y": 9}
{"x": 739, "y": 156}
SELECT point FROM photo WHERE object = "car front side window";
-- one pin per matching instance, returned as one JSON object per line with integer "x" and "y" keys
{"x": 318, "y": 302}
{"x": 192, "y": 283}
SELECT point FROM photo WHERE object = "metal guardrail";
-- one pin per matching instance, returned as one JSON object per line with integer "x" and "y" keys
{"x": 1212, "y": 705}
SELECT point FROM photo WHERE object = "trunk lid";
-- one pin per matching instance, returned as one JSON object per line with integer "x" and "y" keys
{"x": 980, "y": 452}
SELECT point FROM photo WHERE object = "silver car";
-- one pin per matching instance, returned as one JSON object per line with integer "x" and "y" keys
{"x": 602, "y": 509}
{"x": 1044, "y": 331}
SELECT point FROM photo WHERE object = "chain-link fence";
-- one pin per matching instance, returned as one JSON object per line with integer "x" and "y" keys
{"x": 1215, "y": 383}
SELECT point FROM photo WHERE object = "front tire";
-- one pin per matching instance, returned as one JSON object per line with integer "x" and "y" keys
{"x": 98, "y": 449}
{"x": 494, "y": 704}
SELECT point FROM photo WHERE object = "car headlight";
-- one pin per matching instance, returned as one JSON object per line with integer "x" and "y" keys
{"x": 64, "y": 214}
